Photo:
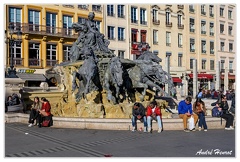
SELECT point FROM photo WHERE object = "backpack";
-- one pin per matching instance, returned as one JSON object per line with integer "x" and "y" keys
{"x": 216, "y": 112}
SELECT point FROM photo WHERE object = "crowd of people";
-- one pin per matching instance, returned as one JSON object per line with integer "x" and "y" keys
{"x": 186, "y": 110}
{"x": 41, "y": 109}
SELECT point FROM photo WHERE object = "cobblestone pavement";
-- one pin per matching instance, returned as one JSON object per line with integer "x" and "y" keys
{"x": 22, "y": 141}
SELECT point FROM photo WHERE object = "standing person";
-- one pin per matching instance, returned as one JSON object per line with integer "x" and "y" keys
{"x": 154, "y": 113}
{"x": 199, "y": 108}
{"x": 185, "y": 112}
{"x": 138, "y": 113}
{"x": 223, "y": 106}
{"x": 34, "y": 111}
{"x": 45, "y": 111}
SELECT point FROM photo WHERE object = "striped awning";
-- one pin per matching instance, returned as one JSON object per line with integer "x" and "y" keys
{"x": 32, "y": 77}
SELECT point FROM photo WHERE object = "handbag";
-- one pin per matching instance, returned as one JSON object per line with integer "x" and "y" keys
{"x": 190, "y": 123}
{"x": 45, "y": 123}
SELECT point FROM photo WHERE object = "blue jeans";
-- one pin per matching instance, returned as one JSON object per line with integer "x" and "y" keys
{"x": 202, "y": 121}
{"x": 157, "y": 119}
{"x": 134, "y": 121}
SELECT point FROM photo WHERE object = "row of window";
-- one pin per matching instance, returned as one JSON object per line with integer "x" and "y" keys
{"x": 211, "y": 11}
{"x": 211, "y": 27}
{"x": 51, "y": 18}
{"x": 51, "y": 57}
{"x": 35, "y": 60}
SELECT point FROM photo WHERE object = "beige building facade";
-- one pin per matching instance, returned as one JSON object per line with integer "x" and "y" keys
{"x": 116, "y": 28}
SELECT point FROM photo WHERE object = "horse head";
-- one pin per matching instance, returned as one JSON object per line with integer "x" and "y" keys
{"x": 116, "y": 70}
{"x": 146, "y": 55}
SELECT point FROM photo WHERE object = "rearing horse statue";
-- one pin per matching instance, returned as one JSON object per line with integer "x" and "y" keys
{"x": 86, "y": 74}
{"x": 113, "y": 77}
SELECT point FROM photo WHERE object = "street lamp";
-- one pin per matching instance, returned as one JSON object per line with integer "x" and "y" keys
{"x": 11, "y": 41}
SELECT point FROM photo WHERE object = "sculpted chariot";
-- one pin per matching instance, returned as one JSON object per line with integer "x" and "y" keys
{"x": 97, "y": 72}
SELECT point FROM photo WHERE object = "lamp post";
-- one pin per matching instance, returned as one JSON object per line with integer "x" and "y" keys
{"x": 9, "y": 39}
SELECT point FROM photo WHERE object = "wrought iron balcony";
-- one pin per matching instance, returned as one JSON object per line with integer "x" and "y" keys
{"x": 16, "y": 61}
{"x": 192, "y": 50}
{"x": 134, "y": 21}
{"x": 156, "y": 22}
{"x": 143, "y": 22}
{"x": 111, "y": 14}
{"x": 168, "y": 24}
{"x": 211, "y": 15}
{"x": 204, "y": 51}
{"x": 168, "y": 44}
{"x": 192, "y": 30}
{"x": 203, "y": 13}
{"x": 97, "y": 8}
{"x": 180, "y": 6}
{"x": 35, "y": 62}
{"x": 180, "y": 26}
{"x": 191, "y": 10}
{"x": 68, "y": 6}
{"x": 83, "y": 7}
{"x": 203, "y": 32}
{"x": 230, "y": 70}
{"x": 121, "y": 16}
{"x": 52, "y": 62}
{"x": 211, "y": 51}
{"x": 212, "y": 33}
{"x": 46, "y": 30}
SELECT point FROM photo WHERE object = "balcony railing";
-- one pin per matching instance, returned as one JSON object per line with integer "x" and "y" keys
{"x": 211, "y": 51}
{"x": 143, "y": 22}
{"x": 156, "y": 22}
{"x": 191, "y": 10}
{"x": 121, "y": 39}
{"x": 68, "y": 6}
{"x": 192, "y": 30}
{"x": 168, "y": 24}
{"x": 121, "y": 16}
{"x": 180, "y": 26}
{"x": 16, "y": 61}
{"x": 203, "y": 32}
{"x": 52, "y": 62}
{"x": 192, "y": 50}
{"x": 230, "y": 70}
{"x": 222, "y": 70}
{"x": 211, "y": 15}
{"x": 111, "y": 14}
{"x": 47, "y": 30}
{"x": 83, "y": 7}
{"x": 203, "y": 12}
{"x": 134, "y": 21}
{"x": 204, "y": 51}
{"x": 168, "y": 44}
{"x": 180, "y": 6}
{"x": 211, "y": 33}
{"x": 35, "y": 62}
{"x": 97, "y": 9}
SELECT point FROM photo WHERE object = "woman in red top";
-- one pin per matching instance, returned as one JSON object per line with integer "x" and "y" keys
{"x": 45, "y": 110}
{"x": 154, "y": 113}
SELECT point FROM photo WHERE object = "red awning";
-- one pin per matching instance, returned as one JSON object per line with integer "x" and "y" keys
{"x": 229, "y": 76}
{"x": 202, "y": 76}
{"x": 176, "y": 80}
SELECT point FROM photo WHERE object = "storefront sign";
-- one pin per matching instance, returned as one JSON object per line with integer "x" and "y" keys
{"x": 28, "y": 71}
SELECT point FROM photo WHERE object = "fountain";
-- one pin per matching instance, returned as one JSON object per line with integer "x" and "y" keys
{"x": 97, "y": 84}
